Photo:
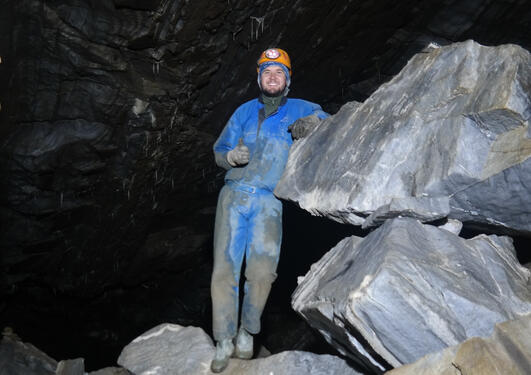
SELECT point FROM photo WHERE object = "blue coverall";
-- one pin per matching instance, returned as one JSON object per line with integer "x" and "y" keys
{"x": 248, "y": 215}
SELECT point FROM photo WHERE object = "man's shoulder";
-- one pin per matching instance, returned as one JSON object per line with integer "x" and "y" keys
{"x": 306, "y": 108}
{"x": 297, "y": 101}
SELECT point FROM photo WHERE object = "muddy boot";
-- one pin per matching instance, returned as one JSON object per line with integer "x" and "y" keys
{"x": 244, "y": 344}
{"x": 224, "y": 350}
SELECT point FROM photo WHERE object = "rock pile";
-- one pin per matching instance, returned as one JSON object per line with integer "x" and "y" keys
{"x": 447, "y": 139}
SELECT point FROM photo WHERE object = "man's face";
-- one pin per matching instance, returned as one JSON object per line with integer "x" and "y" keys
{"x": 273, "y": 80}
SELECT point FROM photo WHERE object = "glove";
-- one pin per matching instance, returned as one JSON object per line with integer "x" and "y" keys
{"x": 239, "y": 155}
{"x": 303, "y": 126}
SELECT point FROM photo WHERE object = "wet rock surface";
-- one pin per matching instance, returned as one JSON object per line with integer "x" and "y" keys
{"x": 448, "y": 136}
{"x": 408, "y": 289}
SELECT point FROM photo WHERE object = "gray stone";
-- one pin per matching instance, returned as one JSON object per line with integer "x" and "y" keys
{"x": 507, "y": 351}
{"x": 293, "y": 363}
{"x": 173, "y": 349}
{"x": 71, "y": 367}
{"x": 408, "y": 289}
{"x": 110, "y": 371}
{"x": 452, "y": 225}
{"x": 452, "y": 125}
{"x": 20, "y": 358}
{"x": 422, "y": 208}
{"x": 168, "y": 349}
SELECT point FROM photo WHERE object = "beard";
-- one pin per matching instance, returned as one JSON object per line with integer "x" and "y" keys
{"x": 273, "y": 91}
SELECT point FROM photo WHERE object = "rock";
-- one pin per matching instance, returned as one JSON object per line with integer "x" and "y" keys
{"x": 19, "y": 358}
{"x": 507, "y": 351}
{"x": 408, "y": 289}
{"x": 173, "y": 349}
{"x": 71, "y": 367}
{"x": 422, "y": 208}
{"x": 110, "y": 371}
{"x": 449, "y": 135}
{"x": 293, "y": 363}
{"x": 453, "y": 226}
{"x": 167, "y": 347}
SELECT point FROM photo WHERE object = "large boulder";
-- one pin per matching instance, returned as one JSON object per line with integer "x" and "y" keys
{"x": 448, "y": 136}
{"x": 408, "y": 289}
{"x": 170, "y": 349}
{"x": 507, "y": 351}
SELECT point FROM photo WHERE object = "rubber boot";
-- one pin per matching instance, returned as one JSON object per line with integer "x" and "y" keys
{"x": 244, "y": 344}
{"x": 224, "y": 350}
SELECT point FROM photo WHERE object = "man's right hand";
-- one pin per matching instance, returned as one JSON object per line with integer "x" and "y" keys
{"x": 239, "y": 155}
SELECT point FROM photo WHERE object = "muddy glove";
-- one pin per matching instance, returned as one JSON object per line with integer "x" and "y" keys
{"x": 303, "y": 126}
{"x": 239, "y": 155}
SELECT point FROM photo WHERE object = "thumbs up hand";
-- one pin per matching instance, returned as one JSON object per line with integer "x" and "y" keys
{"x": 239, "y": 155}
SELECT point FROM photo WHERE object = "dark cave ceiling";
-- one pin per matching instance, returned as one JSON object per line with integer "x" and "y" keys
{"x": 110, "y": 109}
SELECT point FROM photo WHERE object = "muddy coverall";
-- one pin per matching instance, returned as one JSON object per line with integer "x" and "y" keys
{"x": 249, "y": 216}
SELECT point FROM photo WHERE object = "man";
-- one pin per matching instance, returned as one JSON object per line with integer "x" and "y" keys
{"x": 253, "y": 148}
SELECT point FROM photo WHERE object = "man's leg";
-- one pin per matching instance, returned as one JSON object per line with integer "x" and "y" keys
{"x": 263, "y": 251}
{"x": 229, "y": 247}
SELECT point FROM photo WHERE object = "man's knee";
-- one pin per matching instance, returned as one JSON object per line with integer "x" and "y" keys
{"x": 263, "y": 275}
{"x": 224, "y": 277}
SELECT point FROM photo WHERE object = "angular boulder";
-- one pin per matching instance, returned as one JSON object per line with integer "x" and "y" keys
{"x": 448, "y": 136}
{"x": 170, "y": 349}
{"x": 20, "y": 358}
{"x": 408, "y": 289}
{"x": 507, "y": 351}
{"x": 71, "y": 367}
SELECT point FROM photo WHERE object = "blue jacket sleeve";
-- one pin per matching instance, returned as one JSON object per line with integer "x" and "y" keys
{"x": 318, "y": 111}
{"x": 227, "y": 140}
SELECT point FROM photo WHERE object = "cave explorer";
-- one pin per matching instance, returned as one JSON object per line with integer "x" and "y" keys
{"x": 253, "y": 148}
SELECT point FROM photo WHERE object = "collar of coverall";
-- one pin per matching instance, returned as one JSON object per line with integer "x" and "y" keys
{"x": 271, "y": 103}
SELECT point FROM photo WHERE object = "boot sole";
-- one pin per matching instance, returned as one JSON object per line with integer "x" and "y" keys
{"x": 243, "y": 355}
{"x": 215, "y": 369}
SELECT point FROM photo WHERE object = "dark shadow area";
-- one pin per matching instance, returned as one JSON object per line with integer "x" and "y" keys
{"x": 306, "y": 239}
{"x": 97, "y": 329}
{"x": 522, "y": 245}
{"x": 69, "y": 326}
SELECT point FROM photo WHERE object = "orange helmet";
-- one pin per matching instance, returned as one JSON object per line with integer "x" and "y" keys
{"x": 275, "y": 55}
